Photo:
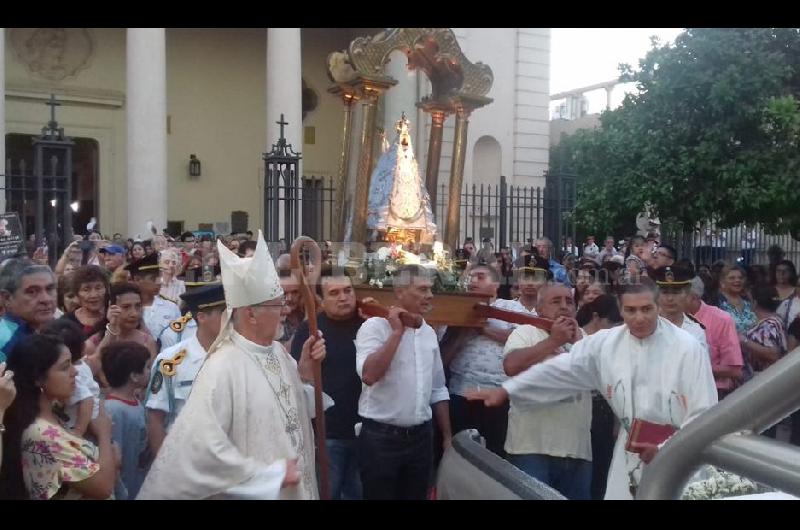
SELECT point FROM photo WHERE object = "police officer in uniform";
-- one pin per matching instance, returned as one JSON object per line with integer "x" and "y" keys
{"x": 181, "y": 328}
{"x": 674, "y": 283}
{"x": 157, "y": 310}
{"x": 175, "y": 368}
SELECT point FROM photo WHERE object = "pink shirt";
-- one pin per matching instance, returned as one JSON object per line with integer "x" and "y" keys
{"x": 723, "y": 342}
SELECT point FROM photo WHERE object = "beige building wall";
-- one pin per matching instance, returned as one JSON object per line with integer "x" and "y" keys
{"x": 216, "y": 103}
{"x": 92, "y": 106}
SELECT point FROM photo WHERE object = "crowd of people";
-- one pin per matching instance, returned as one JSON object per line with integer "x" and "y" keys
{"x": 184, "y": 368}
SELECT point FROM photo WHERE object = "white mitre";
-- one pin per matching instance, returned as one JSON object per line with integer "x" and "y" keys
{"x": 249, "y": 281}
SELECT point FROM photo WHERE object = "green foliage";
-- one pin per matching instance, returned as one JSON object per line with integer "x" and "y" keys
{"x": 712, "y": 133}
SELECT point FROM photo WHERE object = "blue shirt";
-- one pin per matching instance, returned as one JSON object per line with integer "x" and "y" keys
{"x": 559, "y": 273}
{"x": 12, "y": 330}
{"x": 129, "y": 432}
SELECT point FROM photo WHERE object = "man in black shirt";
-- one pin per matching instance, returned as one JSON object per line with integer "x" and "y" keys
{"x": 339, "y": 323}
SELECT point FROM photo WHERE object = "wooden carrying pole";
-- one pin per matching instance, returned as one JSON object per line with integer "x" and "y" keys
{"x": 374, "y": 309}
{"x": 307, "y": 279}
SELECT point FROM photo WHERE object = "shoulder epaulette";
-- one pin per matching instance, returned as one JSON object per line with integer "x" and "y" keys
{"x": 694, "y": 319}
{"x": 179, "y": 324}
{"x": 168, "y": 367}
{"x": 168, "y": 299}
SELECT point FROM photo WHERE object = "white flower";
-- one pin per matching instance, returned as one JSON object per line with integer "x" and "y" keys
{"x": 379, "y": 284}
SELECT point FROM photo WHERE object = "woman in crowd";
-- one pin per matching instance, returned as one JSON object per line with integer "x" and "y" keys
{"x": 765, "y": 342}
{"x": 123, "y": 322}
{"x": 42, "y": 459}
{"x": 637, "y": 257}
{"x": 90, "y": 285}
{"x": 66, "y": 300}
{"x": 593, "y": 291}
{"x": 785, "y": 282}
{"x": 733, "y": 298}
{"x": 137, "y": 251}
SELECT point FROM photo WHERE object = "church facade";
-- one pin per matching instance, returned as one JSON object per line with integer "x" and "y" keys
{"x": 140, "y": 102}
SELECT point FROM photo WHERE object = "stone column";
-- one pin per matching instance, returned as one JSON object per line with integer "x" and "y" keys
{"x": 3, "y": 118}
{"x": 438, "y": 114}
{"x": 371, "y": 90}
{"x": 285, "y": 96}
{"x": 146, "y": 103}
{"x": 451, "y": 235}
{"x": 349, "y": 97}
{"x": 284, "y": 85}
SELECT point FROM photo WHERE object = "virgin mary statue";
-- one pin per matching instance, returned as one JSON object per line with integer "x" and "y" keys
{"x": 398, "y": 199}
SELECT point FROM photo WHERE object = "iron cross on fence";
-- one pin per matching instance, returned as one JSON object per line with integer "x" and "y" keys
{"x": 282, "y": 122}
{"x": 52, "y": 103}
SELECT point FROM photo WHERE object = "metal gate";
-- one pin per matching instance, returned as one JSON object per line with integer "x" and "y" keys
{"x": 41, "y": 194}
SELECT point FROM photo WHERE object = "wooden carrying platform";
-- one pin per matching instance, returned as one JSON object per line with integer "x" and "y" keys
{"x": 452, "y": 309}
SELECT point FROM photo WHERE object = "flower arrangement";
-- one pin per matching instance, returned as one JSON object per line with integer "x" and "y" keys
{"x": 720, "y": 484}
{"x": 379, "y": 271}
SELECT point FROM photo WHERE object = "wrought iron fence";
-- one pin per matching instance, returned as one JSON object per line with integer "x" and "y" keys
{"x": 511, "y": 215}
{"x": 749, "y": 244}
{"x": 42, "y": 201}
{"x": 505, "y": 213}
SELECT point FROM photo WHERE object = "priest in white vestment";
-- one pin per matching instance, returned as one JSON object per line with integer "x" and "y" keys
{"x": 245, "y": 431}
{"x": 647, "y": 369}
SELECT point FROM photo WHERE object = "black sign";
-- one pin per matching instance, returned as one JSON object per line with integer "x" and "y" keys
{"x": 12, "y": 240}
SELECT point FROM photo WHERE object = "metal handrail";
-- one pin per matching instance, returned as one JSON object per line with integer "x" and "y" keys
{"x": 711, "y": 438}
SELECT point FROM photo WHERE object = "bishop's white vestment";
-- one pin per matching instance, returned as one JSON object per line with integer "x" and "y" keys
{"x": 246, "y": 415}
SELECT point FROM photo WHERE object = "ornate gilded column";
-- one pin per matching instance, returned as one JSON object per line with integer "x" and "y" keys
{"x": 463, "y": 105}
{"x": 349, "y": 97}
{"x": 371, "y": 90}
{"x": 457, "y": 176}
{"x": 438, "y": 114}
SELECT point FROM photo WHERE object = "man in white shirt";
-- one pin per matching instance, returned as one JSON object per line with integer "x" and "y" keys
{"x": 550, "y": 442}
{"x": 475, "y": 360}
{"x": 403, "y": 380}
{"x": 647, "y": 369}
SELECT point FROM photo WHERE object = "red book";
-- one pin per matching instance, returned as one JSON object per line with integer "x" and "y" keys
{"x": 643, "y": 431}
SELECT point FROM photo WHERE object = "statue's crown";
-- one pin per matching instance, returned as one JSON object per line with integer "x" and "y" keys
{"x": 402, "y": 124}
